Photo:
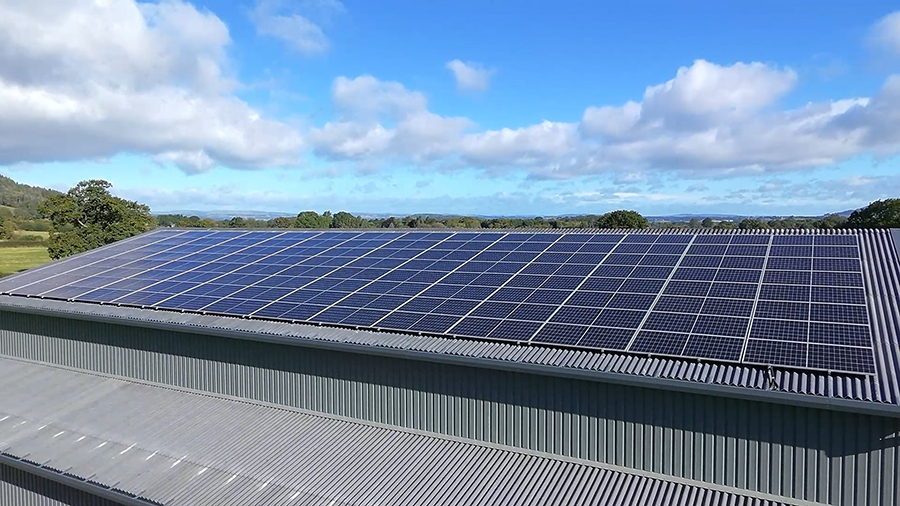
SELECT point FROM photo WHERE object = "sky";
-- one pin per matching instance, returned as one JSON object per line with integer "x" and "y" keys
{"x": 457, "y": 107}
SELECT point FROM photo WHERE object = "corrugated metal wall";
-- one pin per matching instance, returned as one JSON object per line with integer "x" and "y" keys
{"x": 816, "y": 455}
{"x": 18, "y": 488}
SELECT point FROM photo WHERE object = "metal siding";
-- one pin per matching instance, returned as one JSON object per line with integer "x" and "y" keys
{"x": 19, "y": 488}
{"x": 758, "y": 446}
{"x": 176, "y": 447}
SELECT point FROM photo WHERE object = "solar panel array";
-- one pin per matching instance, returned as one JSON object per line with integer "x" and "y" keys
{"x": 770, "y": 299}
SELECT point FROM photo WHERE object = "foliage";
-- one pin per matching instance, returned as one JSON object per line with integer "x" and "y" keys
{"x": 707, "y": 223}
{"x": 24, "y": 198}
{"x": 346, "y": 220}
{"x": 35, "y": 225}
{"x": 238, "y": 222}
{"x": 752, "y": 223}
{"x": 7, "y": 227}
{"x": 280, "y": 222}
{"x": 88, "y": 216}
{"x": 312, "y": 219}
{"x": 622, "y": 219}
{"x": 694, "y": 223}
{"x": 878, "y": 214}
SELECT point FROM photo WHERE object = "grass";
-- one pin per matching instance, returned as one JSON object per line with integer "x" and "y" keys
{"x": 13, "y": 260}
{"x": 45, "y": 234}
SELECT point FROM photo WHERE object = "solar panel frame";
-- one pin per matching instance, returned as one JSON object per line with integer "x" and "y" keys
{"x": 330, "y": 277}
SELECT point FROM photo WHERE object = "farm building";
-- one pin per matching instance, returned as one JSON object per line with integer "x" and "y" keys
{"x": 239, "y": 367}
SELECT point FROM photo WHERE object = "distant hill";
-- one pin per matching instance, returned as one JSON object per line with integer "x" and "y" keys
{"x": 23, "y": 198}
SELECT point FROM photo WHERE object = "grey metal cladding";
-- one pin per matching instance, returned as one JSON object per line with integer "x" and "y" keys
{"x": 21, "y": 488}
{"x": 182, "y": 448}
{"x": 830, "y": 456}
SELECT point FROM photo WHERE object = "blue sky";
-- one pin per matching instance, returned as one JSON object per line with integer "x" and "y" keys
{"x": 514, "y": 108}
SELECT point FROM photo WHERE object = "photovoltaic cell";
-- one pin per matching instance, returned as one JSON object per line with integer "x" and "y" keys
{"x": 679, "y": 294}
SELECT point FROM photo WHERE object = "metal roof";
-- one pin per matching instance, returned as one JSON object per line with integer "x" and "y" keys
{"x": 879, "y": 392}
{"x": 148, "y": 444}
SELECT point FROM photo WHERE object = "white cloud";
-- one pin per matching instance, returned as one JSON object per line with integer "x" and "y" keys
{"x": 885, "y": 34}
{"x": 384, "y": 119}
{"x": 298, "y": 32}
{"x": 708, "y": 121}
{"x": 82, "y": 80}
{"x": 470, "y": 76}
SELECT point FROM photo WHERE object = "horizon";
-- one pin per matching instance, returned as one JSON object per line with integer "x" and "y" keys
{"x": 457, "y": 108}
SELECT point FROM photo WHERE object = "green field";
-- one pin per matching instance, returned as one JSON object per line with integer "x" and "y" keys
{"x": 13, "y": 260}
{"x": 44, "y": 234}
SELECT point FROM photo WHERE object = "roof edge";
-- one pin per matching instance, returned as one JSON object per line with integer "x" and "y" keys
{"x": 771, "y": 396}
{"x": 94, "y": 489}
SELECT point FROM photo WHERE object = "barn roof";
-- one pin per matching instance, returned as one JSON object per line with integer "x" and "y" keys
{"x": 146, "y": 444}
{"x": 878, "y": 392}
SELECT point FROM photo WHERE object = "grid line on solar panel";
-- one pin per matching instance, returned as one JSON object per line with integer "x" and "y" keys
{"x": 664, "y": 318}
{"x": 247, "y": 265}
{"x": 255, "y": 277}
{"x": 380, "y": 246}
{"x": 748, "y": 329}
{"x": 340, "y": 242}
{"x": 87, "y": 263}
{"x": 172, "y": 265}
{"x": 228, "y": 273}
{"x": 493, "y": 287}
{"x": 565, "y": 301}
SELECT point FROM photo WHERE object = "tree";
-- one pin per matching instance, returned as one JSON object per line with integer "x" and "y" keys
{"x": 707, "y": 223}
{"x": 831, "y": 221}
{"x": 312, "y": 219}
{"x": 238, "y": 222}
{"x": 88, "y": 216}
{"x": 280, "y": 222}
{"x": 346, "y": 220}
{"x": 752, "y": 223}
{"x": 7, "y": 228}
{"x": 878, "y": 214}
{"x": 694, "y": 223}
{"x": 622, "y": 219}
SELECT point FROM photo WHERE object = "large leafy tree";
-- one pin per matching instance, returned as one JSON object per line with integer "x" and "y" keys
{"x": 88, "y": 216}
{"x": 346, "y": 220}
{"x": 312, "y": 219}
{"x": 752, "y": 223}
{"x": 878, "y": 214}
{"x": 622, "y": 219}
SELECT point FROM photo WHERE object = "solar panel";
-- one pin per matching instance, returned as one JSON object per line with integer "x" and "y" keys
{"x": 788, "y": 300}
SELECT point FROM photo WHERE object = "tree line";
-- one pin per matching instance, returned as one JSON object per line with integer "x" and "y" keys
{"x": 89, "y": 216}
{"x": 342, "y": 219}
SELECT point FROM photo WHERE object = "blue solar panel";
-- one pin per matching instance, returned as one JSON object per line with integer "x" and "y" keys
{"x": 663, "y": 343}
{"x": 586, "y": 290}
{"x": 555, "y": 333}
{"x": 606, "y": 338}
{"x": 714, "y": 347}
{"x": 671, "y": 322}
{"x": 576, "y": 315}
{"x": 776, "y": 352}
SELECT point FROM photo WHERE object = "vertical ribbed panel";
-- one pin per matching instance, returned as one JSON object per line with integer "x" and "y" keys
{"x": 817, "y": 455}
{"x": 18, "y": 488}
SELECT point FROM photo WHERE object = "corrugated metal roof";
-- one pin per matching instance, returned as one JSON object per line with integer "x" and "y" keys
{"x": 177, "y": 447}
{"x": 881, "y": 269}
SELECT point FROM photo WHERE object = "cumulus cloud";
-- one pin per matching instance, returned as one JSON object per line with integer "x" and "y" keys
{"x": 885, "y": 34}
{"x": 384, "y": 119}
{"x": 82, "y": 80}
{"x": 298, "y": 32}
{"x": 708, "y": 121}
{"x": 470, "y": 76}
